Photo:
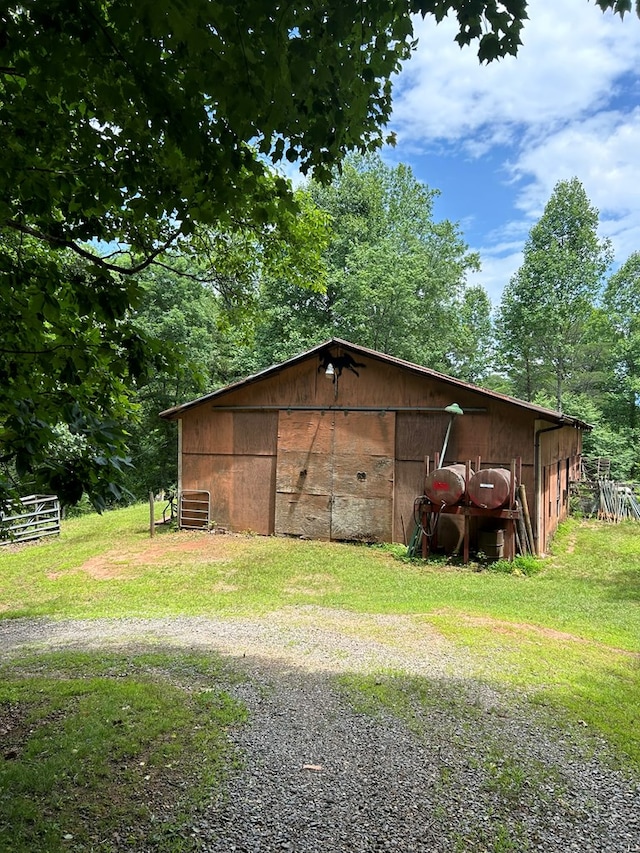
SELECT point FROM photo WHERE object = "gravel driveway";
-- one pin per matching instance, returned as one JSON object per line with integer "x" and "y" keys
{"x": 467, "y": 769}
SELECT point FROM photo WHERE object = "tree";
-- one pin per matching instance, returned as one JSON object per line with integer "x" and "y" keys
{"x": 621, "y": 303}
{"x": 64, "y": 378}
{"x": 181, "y": 311}
{"x": 204, "y": 312}
{"x": 605, "y": 439}
{"x": 614, "y": 338}
{"x": 549, "y": 301}
{"x": 82, "y": 387}
{"x": 516, "y": 335}
{"x": 127, "y": 124}
{"x": 475, "y": 347}
{"x": 395, "y": 278}
{"x": 133, "y": 120}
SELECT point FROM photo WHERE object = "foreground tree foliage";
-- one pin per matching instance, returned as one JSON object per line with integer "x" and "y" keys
{"x": 65, "y": 376}
{"x": 133, "y": 120}
{"x": 128, "y": 125}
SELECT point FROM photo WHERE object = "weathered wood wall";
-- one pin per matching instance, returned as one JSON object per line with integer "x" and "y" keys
{"x": 559, "y": 461}
{"x": 232, "y": 455}
{"x": 335, "y": 475}
{"x": 496, "y": 435}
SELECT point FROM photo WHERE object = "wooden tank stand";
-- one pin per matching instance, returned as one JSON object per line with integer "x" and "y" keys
{"x": 510, "y": 513}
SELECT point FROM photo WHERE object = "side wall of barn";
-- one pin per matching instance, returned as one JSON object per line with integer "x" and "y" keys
{"x": 558, "y": 453}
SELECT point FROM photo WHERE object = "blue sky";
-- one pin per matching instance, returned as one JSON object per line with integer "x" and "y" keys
{"x": 495, "y": 139}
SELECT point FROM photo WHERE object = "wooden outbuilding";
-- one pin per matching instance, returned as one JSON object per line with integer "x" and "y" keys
{"x": 332, "y": 444}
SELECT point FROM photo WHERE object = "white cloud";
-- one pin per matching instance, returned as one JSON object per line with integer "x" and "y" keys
{"x": 499, "y": 263}
{"x": 570, "y": 58}
{"x": 600, "y": 150}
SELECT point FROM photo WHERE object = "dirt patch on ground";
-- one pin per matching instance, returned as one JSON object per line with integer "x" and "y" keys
{"x": 112, "y": 565}
{"x": 516, "y": 629}
{"x": 200, "y": 547}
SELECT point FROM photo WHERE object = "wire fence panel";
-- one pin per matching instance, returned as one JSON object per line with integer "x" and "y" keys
{"x": 618, "y": 501}
{"x": 35, "y": 517}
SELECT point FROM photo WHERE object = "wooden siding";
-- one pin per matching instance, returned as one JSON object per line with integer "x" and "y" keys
{"x": 559, "y": 463}
{"x": 379, "y": 385}
{"x": 497, "y": 436}
{"x": 334, "y": 475}
{"x": 304, "y": 474}
{"x": 232, "y": 455}
{"x": 363, "y": 476}
{"x": 328, "y": 473}
{"x": 206, "y": 430}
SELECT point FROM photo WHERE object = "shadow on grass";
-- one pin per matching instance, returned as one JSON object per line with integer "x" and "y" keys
{"x": 624, "y": 585}
{"x": 110, "y": 749}
{"x": 124, "y": 749}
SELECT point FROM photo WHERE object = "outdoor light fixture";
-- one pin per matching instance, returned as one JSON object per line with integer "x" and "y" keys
{"x": 330, "y": 372}
{"x": 453, "y": 410}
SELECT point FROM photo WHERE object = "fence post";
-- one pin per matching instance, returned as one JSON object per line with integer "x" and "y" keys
{"x": 152, "y": 516}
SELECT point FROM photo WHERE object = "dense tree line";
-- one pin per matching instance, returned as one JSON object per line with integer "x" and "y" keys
{"x": 367, "y": 262}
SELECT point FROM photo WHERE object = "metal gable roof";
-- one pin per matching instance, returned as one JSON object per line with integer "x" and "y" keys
{"x": 546, "y": 414}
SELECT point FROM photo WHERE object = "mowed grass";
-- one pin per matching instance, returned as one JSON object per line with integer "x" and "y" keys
{"x": 110, "y": 751}
{"x": 569, "y": 635}
{"x": 109, "y": 566}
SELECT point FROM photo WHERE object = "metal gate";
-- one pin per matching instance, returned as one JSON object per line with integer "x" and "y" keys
{"x": 39, "y": 516}
{"x": 195, "y": 510}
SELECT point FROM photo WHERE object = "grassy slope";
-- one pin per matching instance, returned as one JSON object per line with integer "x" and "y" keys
{"x": 571, "y": 633}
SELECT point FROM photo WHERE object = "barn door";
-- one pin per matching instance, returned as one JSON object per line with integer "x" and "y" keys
{"x": 335, "y": 475}
{"x": 363, "y": 463}
{"x": 304, "y": 474}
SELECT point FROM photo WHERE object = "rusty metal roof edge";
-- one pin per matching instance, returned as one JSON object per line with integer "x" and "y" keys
{"x": 548, "y": 414}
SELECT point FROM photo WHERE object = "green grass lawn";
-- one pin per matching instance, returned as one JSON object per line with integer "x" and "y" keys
{"x": 104, "y": 751}
{"x": 108, "y": 566}
{"x": 568, "y": 636}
